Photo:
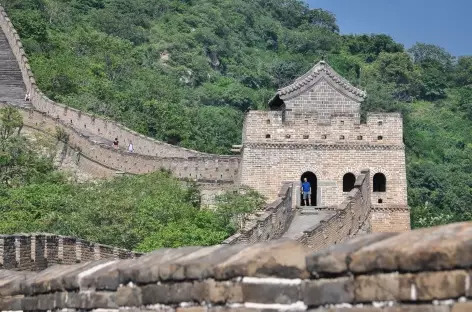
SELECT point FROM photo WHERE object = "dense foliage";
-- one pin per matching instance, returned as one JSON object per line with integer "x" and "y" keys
{"x": 143, "y": 212}
{"x": 184, "y": 71}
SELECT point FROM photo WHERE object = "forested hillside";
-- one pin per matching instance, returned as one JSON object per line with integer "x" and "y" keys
{"x": 184, "y": 71}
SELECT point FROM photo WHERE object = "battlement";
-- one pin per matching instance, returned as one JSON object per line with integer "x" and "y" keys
{"x": 380, "y": 129}
{"x": 36, "y": 252}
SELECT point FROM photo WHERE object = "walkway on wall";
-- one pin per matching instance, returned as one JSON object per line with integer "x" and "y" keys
{"x": 12, "y": 87}
{"x": 306, "y": 219}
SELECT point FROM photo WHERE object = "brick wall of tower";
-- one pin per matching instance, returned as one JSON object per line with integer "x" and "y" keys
{"x": 275, "y": 150}
{"x": 348, "y": 147}
{"x": 325, "y": 100}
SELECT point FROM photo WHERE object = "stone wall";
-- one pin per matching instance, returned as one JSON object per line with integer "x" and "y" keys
{"x": 348, "y": 220}
{"x": 36, "y": 252}
{"x": 103, "y": 160}
{"x": 390, "y": 218}
{"x": 209, "y": 192}
{"x": 419, "y": 271}
{"x": 272, "y": 222}
{"x": 150, "y": 154}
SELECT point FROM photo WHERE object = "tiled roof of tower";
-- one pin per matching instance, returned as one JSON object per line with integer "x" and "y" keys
{"x": 319, "y": 71}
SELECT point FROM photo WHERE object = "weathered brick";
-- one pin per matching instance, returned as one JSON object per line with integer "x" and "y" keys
{"x": 334, "y": 259}
{"x": 434, "y": 285}
{"x": 328, "y": 291}
{"x": 221, "y": 292}
{"x": 379, "y": 287}
{"x": 432, "y": 249}
{"x": 271, "y": 293}
{"x": 128, "y": 296}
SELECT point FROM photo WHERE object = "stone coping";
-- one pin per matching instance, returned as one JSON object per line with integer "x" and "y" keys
{"x": 368, "y": 270}
{"x": 320, "y": 146}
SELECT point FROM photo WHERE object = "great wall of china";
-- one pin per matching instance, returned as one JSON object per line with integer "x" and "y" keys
{"x": 282, "y": 260}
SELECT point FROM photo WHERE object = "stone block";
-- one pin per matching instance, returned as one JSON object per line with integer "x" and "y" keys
{"x": 281, "y": 258}
{"x": 271, "y": 293}
{"x": 198, "y": 264}
{"x": 379, "y": 287}
{"x": 335, "y": 259}
{"x": 10, "y": 304}
{"x": 328, "y": 291}
{"x": 29, "y": 304}
{"x": 436, "y": 285}
{"x": 431, "y": 249}
{"x": 167, "y": 293}
{"x": 146, "y": 269}
{"x": 12, "y": 282}
{"x": 91, "y": 300}
{"x": 51, "y": 301}
{"x": 128, "y": 297}
{"x": 223, "y": 292}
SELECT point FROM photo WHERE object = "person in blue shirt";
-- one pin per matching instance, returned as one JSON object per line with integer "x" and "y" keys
{"x": 306, "y": 190}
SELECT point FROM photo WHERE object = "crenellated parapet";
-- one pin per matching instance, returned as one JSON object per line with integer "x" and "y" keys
{"x": 36, "y": 252}
{"x": 268, "y": 127}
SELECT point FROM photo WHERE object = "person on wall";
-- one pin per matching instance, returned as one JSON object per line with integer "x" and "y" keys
{"x": 306, "y": 191}
{"x": 130, "y": 147}
{"x": 115, "y": 143}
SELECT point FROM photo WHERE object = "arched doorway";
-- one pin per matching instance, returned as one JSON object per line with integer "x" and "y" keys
{"x": 311, "y": 177}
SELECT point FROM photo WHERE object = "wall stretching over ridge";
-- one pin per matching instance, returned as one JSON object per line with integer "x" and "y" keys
{"x": 36, "y": 252}
{"x": 150, "y": 154}
{"x": 350, "y": 218}
{"x": 211, "y": 168}
{"x": 426, "y": 270}
{"x": 272, "y": 224}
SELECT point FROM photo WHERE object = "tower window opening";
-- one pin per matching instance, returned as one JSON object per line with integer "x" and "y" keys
{"x": 349, "y": 179}
{"x": 359, "y": 137}
{"x": 287, "y": 136}
{"x": 267, "y": 136}
{"x": 379, "y": 182}
{"x": 380, "y": 201}
{"x": 341, "y": 137}
{"x": 380, "y": 138}
{"x": 380, "y": 123}
{"x": 306, "y": 136}
{"x": 268, "y": 121}
{"x": 323, "y": 136}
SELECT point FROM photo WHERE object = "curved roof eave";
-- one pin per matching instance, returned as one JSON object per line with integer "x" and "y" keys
{"x": 321, "y": 70}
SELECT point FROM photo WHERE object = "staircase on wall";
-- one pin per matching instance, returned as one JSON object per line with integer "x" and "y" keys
{"x": 12, "y": 88}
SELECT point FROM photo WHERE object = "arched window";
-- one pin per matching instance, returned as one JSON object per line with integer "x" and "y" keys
{"x": 380, "y": 182}
{"x": 348, "y": 182}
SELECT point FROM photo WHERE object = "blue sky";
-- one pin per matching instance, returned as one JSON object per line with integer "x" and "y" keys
{"x": 445, "y": 23}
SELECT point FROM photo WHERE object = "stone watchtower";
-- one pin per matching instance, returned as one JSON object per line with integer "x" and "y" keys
{"x": 313, "y": 130}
